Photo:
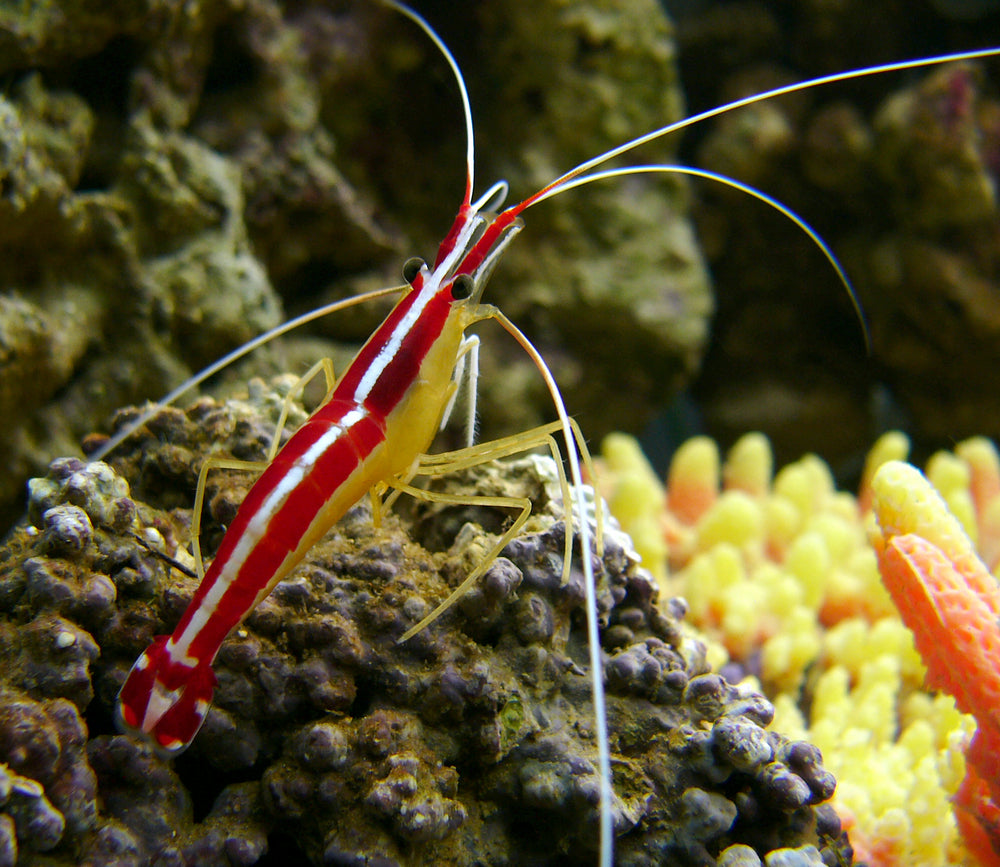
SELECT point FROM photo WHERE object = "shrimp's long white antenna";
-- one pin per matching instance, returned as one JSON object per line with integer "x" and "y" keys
{"x": 582, "y": 173}
{"x": 590, "y": 590}
{"x": 814, "y": 236}
{"x": 470, "y": 146}
{"x": 676, "y": 126}
{"x": 193, "y": 382}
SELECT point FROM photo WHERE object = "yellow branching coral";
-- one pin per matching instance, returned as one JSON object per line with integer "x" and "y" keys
{"x": 781, "y": 577}
{"x": 636, "y": 498}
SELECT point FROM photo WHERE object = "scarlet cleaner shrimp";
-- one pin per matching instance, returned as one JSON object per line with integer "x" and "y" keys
{"x": 377, "y": 420}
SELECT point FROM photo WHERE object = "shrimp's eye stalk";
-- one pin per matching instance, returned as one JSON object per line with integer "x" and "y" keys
{"x": 462, "y": 287}
{"x": 411, "y": 267}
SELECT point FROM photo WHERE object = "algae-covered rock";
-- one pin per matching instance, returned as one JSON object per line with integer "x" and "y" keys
{"x": 157, "y": 281}
{"x": 54, "y": 31}
{"x": 473, "y": 737}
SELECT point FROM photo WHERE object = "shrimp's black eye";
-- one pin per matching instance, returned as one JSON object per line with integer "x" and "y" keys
{"x": 411, "y": 267}
{"x": 462, "y": 286}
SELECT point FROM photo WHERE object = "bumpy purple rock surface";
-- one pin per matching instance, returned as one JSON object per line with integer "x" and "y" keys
{"x": 331, "y": 742}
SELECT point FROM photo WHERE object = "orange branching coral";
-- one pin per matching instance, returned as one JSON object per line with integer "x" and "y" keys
{"x": 951, "y": 602}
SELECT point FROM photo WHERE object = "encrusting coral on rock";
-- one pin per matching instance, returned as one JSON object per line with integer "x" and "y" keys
{"x": 328, "y": 739}
{"x": 779, "y": 572}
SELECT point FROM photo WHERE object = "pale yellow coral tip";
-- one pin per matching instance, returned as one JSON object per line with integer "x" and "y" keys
{"x": 891, "y": 446}
{"x": 981, "y": 456}
{"x": 623, "y": 454}
{"x": 905, "y": 502}
{"x": 984, "y": 467}
{"x": 749, "y": 465}
{"x": 693, "y": 480}
{"x": 948, "y": 473}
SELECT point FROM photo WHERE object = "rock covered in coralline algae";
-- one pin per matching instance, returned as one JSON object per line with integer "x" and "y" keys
{"x": 47, "y": 789}
{"x": 473, "y": 739}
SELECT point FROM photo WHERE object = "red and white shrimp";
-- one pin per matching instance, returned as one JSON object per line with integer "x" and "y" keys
{"x": 370, "y": 431}
{"x": 375, "y": 422}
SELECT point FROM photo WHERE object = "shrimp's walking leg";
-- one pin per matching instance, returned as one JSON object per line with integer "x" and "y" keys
{"x": 484, "y": 453}
{"x": 460, "y": 459}
{"x": 467, "y": 372}
{"x": 207, "y": 466}
{"x": 324, "y": 365}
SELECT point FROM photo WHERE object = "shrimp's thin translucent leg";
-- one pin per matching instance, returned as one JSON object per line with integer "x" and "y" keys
{"x": 482, "y": 453}
{"x": 219, "y": 463}
{"x": 521, "y": 503}
{"x": 209, "y": 464}
{"x": 467, "y": 372}
{"x": 450, "y": 462}
{"x": 324, "y": 365}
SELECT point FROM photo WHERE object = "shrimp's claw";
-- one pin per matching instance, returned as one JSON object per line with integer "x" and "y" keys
{"x": 163, "y": 700}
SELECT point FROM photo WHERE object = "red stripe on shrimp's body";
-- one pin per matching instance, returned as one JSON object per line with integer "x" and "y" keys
{"x": 306, "y": 489}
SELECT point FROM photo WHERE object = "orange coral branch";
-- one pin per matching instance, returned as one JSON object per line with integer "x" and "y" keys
{"x": 954, "y": 628}
{"x": 951, "y": 603}
{"x": 984, "y": 477}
